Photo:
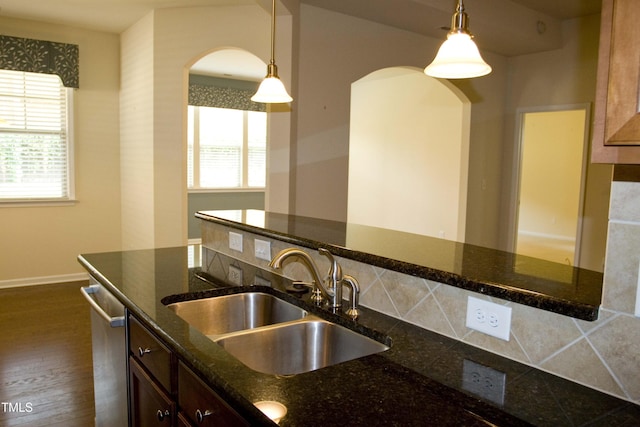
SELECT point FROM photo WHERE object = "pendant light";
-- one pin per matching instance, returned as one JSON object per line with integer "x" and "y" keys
{"x": 458, "y": 57}
{"x": 271, "y": 90}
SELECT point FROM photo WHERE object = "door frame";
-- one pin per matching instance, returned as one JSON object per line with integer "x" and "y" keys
{"x": 517, "y": 171}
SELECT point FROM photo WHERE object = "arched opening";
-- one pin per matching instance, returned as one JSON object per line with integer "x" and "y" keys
{"x": 408, "y": 153}
{"x": 226, "y": 134}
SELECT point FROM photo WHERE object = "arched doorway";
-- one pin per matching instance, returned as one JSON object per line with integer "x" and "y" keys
{"x": 408, "y": 153}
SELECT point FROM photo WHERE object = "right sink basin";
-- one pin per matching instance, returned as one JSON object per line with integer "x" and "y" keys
{"x": 299, "y": 347}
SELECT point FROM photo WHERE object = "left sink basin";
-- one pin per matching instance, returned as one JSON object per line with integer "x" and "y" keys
{"x": 231, "y": 313}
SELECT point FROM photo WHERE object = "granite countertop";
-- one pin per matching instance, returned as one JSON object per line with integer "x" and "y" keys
{"x": 546, "y": 285}
{"x": 423, "y": 379}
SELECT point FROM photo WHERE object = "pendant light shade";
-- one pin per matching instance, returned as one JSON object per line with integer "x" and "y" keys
{"x": 272, "y": 90}
{"x": 458, "y": 57}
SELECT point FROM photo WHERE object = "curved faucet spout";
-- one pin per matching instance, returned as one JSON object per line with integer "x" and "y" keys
{"x": 277, "y": 261}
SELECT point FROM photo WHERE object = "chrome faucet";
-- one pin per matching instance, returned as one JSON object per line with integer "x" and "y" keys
{"x": 330, "y": 288}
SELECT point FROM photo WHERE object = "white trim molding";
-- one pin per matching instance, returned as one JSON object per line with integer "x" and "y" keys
{"x": 43, "y": 280}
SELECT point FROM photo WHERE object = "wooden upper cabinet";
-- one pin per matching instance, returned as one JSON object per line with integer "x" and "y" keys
{"x": 616, "y": 131}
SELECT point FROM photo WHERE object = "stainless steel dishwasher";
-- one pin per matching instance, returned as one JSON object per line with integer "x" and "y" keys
{"x": 109, "y": 356}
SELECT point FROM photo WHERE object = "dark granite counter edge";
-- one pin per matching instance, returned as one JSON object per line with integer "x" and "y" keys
{"x": 538, "y": 300}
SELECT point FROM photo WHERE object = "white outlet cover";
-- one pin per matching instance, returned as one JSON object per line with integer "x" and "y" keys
{"x": 235, "y": 241}
{"x": 263, "y": 249}
{"x": 489, "y": 318}
{"x": 235, "y": 275}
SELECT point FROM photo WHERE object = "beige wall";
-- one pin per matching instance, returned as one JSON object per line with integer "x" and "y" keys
{"x": 408, "y": 148}
{"x": 561, "y": 77}
{"x": 337, "y": 50}
{"x": 40, "y": 244}
{"x": 156, "y": 55}
{"x": 550, "y": 185}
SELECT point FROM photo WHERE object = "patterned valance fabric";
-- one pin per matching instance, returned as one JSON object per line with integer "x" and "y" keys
{"x": 223, "y": 97}
{"x": 40, "y": 56}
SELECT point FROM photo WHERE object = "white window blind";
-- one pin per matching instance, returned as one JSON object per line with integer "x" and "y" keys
{"x": 34, "y": 141}
{"x": 226, "y": 148}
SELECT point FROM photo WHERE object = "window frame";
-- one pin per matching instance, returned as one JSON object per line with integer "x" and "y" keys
{"x": 70, "y": 197}
{"x": 196, "y": 188}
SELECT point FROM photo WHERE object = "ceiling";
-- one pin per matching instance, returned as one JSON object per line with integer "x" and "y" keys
{"x": 507, "y": 27}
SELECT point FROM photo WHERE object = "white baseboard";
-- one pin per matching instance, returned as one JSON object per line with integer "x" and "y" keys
{"x": 43, "y": 280}
{"x": 557, "y": 237}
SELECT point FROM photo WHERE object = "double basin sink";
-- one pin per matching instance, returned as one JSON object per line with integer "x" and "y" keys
{"x": 273, "y": 336}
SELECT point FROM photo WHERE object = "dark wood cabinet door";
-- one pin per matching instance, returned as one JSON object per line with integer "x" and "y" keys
{"x": 616, "y": 128}
{"x": 201, "y": 405}
{"x": 150, "y": 406}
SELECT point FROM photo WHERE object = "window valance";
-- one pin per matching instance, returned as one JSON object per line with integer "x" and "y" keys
{"x": 223, "y": 97}
{"x": 40, "y": 56}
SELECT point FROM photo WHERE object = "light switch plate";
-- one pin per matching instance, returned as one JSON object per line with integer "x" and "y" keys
{"x": 489, "y": 318}
{"x": 262, "y": 249}
{"x": 235, "y": 241}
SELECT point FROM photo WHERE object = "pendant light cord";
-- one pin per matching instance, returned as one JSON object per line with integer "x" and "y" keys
{"x": 273, "y": 32}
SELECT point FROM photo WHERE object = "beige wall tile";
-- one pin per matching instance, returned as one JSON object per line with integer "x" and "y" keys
{"x": 428, "y": 315}
{"x": 621, "y": 269}
{"x": 625, "y": 201}
{"x": 580, "y": 363}
{"x": 618, "y": 343}
{"x": 405, "y": 291}
{"x": 542, "y": 333}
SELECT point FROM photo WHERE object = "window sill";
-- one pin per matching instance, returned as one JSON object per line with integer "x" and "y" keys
{"x": 36, "y": 203}
{"x": 226, "y": 190}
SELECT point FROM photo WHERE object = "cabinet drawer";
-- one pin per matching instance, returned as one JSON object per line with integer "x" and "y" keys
{"x": 201, "y": 405}
{"x": 150, "y": 406}
{"x": 150, "y": 353}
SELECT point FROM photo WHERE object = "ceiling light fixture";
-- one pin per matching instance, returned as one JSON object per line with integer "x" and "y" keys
{"x": 271, "y": 90}
{"x": 458, "y": 57}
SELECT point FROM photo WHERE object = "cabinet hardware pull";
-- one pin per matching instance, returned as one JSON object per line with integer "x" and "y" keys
{"x": 201, "y": 415}
{"x": 161, "y": 415}
{"x": 144, "y": 351}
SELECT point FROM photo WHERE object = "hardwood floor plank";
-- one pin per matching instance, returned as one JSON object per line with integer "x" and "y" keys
{"x": 46, "y": 370}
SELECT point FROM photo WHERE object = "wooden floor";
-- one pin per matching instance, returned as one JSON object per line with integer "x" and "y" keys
{"x": 46, "y": 369}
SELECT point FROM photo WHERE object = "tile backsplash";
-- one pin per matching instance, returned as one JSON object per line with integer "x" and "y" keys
{"x": 604, "y": 354}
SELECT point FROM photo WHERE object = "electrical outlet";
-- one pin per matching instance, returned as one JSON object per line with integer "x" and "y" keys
{"x": 262, "y": 249}
{"x": 483, "y": 381}
{"x": 261, "y": 281}
{"x": 235, "y": 275}
{"x": 235, "y": 241}
{"x": 489, "y": 318}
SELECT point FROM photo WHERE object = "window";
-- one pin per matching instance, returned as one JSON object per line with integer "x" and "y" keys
{"x": 35, "y": 143}
{"x": 227, "y": 148}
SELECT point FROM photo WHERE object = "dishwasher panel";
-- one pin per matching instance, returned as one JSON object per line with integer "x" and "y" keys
{"x": 109, "y": 356}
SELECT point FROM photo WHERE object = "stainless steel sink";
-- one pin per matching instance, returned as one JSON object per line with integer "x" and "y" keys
{"x": 230, "y": 313}
{"x": 272, "y": 336}
{"x": 298, "y": 347}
